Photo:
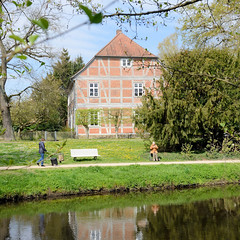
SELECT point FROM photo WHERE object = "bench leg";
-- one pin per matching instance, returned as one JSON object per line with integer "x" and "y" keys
{"x": 74, "y": 159}
{"x": 95, "y": 158}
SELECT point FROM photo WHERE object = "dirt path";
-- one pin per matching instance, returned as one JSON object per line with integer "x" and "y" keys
{"x": 120, "y": 164}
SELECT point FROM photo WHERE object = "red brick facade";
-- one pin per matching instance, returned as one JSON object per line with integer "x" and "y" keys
{"x": 114, "y": 79}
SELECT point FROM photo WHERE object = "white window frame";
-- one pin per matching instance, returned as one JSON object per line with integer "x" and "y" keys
{"x": 93, "y": 86}
{"x": 126, "y": 62}
{"x": 95, "y": 234}
{"x": 96, "y": 116}
{"x": 140, "y": 89}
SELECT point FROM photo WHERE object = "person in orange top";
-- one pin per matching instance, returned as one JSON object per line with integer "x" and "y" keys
{"x": 154, "y": 151}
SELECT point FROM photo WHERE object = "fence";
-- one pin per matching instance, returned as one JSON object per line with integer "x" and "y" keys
{"x": 56, "y": 136}
{"x": 49, "y": 136}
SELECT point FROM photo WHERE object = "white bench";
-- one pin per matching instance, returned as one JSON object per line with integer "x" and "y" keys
{"x": 84, "y": 153}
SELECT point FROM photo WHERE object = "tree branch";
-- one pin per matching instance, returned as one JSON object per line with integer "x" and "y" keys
{"x": 1, "y": 3}
{"x": 214, "y": 20}
{"x": 226, "y": 80}
{"x": 180, "y": 5}
{"x": 20, "y": 93}
{"x": 174, "y": 7}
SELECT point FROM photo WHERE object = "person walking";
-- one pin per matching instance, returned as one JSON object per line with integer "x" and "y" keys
{"x": 42, "y": 150}
{"x": 154, "y": 151}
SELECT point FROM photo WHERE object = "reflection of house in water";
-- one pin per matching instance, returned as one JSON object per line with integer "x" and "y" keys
{"x": 214, "y": 218}
{"x": 109, "y": 224}
{"x": 113, "y": 223}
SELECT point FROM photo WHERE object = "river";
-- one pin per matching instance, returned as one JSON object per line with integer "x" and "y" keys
{"x": 204, "y": 213}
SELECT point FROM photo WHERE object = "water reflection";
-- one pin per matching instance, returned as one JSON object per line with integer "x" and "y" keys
{"x": 140, "y": 216}
{"x": 213, "y": 219}
{"x": 49, "y": 226}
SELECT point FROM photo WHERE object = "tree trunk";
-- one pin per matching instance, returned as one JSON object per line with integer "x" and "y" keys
{"x": 4, "y": 100}
{"x": 87, "y": 132}
{"x": 116, "y": 131}
{"x": 6, "y": 117}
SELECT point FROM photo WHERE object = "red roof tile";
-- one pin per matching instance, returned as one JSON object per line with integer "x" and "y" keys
{"x": 123, "y": 46}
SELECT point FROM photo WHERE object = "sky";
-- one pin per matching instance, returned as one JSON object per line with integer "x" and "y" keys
{"x": 87, "y": 40}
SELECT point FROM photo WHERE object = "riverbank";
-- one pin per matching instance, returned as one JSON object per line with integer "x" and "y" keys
{"x": 96, "y": 203}
{"x": 35, "y": 183}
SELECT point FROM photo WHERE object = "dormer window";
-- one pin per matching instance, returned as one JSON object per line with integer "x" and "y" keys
{"x": 126, "y": 62}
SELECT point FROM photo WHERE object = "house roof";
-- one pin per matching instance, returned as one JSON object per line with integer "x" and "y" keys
{"x": 123, "y": 46}
{"x": 120, "y": 46}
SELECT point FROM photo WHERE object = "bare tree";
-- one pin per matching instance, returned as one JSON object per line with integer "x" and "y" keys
{"x": 115, "y": 117}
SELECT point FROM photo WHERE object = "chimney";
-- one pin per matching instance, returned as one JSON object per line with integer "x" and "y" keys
{"x": 118, "y": 31}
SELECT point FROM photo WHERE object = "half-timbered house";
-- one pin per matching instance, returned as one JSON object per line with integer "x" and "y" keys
{"x": 111, "y": 85}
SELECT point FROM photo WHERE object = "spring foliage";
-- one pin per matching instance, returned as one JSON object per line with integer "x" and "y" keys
{"x": 213, "y": 23}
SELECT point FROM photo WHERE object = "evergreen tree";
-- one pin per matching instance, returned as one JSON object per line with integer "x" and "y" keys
{"x": 63, "y": 70}
{"x": 199, "y": 92}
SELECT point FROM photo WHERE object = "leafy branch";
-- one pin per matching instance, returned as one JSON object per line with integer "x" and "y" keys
{"x": 159, "y": 11}
{"x": 58, "y": 149}
{"x": 94, "y": 18}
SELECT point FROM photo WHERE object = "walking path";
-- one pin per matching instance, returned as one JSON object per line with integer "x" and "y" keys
{"x": 120, "y": 164}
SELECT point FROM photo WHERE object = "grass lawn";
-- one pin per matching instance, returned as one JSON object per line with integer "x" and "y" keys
{"x": 35, "y": 182}
{"x": 111, "y": 151}
{"x": 29, "y": 182}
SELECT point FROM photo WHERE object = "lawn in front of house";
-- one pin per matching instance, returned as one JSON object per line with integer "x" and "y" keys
{"x": 110, "y": 151}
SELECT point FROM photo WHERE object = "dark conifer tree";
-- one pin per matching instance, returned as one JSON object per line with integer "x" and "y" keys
{"x": 63, "y": 70}
{"x": 199, "y": 94}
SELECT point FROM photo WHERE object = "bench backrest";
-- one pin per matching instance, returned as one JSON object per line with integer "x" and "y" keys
{"x": 84, "y": 152}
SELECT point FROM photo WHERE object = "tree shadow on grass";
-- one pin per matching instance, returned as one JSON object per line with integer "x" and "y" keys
{"x": 86, "y": 159}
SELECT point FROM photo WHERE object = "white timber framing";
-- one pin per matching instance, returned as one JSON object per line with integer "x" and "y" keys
{"x": 105, "y": 91}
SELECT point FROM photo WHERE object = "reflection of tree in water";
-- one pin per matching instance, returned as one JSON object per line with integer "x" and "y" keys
{"x": 57, "y": 227}
{"x": 4, "y": 233}
{"x": 54, "y": 226}
{"x": 212, "y": 219}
